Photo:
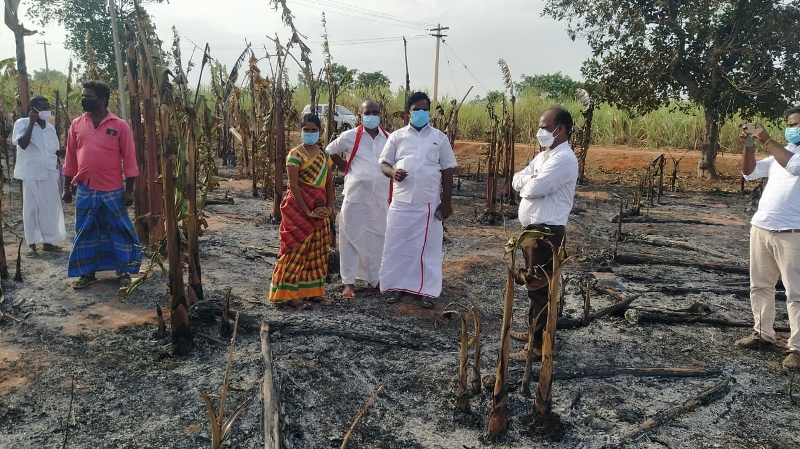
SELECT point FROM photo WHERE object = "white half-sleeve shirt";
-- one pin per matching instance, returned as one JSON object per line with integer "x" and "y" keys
{"x": 423, "y": 154}
{"x": 364, "y": 180}
{"x": 39, "y": 157}
{"x": 779, "y": 206}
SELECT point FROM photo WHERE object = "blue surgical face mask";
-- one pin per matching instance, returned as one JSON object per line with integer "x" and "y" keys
{"x": 793, "y": 135}
{"x": 371, "y": 121}
{"x": 310, "y": 138}
{"x": 420, "y": 118}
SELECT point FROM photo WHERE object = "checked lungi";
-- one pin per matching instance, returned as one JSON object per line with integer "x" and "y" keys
{"x": 104, "y": 235}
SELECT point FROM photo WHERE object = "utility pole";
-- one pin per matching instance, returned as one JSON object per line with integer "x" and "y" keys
{"x": 46, "y": 65}
{"x": 408, "y": 83}
{"x": 439, "y": 28}
{"x": 123, "y": 109}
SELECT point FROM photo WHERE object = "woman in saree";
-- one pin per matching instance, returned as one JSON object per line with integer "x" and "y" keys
{"x": 305, "y": 237}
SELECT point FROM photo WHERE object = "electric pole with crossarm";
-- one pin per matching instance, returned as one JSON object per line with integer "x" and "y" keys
{"x": 439, "y": 28}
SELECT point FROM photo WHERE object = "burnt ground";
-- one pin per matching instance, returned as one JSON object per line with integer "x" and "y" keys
{"x": 83, "y": 368}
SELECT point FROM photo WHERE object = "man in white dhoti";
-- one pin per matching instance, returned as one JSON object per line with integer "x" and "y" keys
{"x": 362, "y": 220}
{"x": 420, "y": 161}
{"x": 37, "y": 167}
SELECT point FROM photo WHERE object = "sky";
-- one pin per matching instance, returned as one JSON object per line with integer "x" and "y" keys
{"x": 364, "y": 35}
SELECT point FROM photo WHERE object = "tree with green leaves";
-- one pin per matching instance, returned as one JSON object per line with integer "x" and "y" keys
{"x": 373, "y": 79}
{"x": 554, "y": 85}
{"x": 726, "y": 56}
{"x": 85, "y": 19}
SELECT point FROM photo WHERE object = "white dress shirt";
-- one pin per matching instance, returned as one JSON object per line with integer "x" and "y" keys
{"x": 779, "y": 206}
{"x": 547, "y": 187}
{"x": 34, "y": 161}
{"x": 423, "y": 154}
{"x": 364, "y": 179}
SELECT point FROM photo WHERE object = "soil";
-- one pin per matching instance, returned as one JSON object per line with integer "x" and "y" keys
{"x": 83, "y": 368}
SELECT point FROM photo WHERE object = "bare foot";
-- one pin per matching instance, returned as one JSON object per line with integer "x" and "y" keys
{"x": 320, "y": 300}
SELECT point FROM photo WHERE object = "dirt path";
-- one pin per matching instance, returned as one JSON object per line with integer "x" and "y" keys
{"x": 97, "y": 352}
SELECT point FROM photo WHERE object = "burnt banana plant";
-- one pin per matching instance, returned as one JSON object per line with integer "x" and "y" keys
{"x": 465, "y": 389}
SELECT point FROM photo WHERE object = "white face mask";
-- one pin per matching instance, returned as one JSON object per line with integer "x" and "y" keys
{"x": 44, "y": 115}
{"x": 545, "y": 138}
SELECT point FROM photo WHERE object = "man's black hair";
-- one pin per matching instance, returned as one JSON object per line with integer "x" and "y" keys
{"x": 415, "y": 97}
{"x": 38, "y": 100}
{"x": 311, "y": 117}
{"x": 563, "y": 117}
{"x": 99, "y": 88}
{"x": 790, "y": 111}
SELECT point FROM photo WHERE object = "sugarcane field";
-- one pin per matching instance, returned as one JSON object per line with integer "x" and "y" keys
{"x": 304, "y": 240}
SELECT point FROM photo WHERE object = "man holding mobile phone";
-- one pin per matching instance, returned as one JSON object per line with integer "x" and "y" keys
{"x": 37, "y": 167}
{"x": 420, "y": 162}
{"x": 775, "y": 235}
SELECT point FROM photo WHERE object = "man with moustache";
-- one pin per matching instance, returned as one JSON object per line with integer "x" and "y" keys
{"x": 100, "y": 152}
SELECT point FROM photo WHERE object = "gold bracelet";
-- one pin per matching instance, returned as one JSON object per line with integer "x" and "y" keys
{"x": 767, "y": 142}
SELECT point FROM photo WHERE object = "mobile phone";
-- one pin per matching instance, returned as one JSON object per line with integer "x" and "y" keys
{"x": 749, "y": 128}
{"x": 439, "y": 215}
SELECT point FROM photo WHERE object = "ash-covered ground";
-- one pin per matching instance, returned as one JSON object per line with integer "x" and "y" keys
{"x": 82, "y": 369}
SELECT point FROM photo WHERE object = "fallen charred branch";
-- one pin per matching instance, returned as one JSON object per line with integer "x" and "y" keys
{"x": 361, "y": 412}
{"x": 669, "y": 243}
{"x": 647, "y": 371}
{"x": 636, "y": 316}
{"x": 272, "y": 436}
{"x": 669, "y": 414}
{"x": 617, "y": 309}
{"x": 650, "y": 259}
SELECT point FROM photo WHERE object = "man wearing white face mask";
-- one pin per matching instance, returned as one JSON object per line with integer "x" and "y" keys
{"x": 362, "y": 221}
{"x": 547, "y": 188}
{"x": 420, "y": 161}
{"x": 775, "y": 236}
{"x": 37, "y": 167}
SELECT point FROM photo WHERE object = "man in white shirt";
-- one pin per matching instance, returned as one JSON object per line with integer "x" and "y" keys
{"x": 37, "y": 167}
{"x": 362, "y": 220}
{"x": 420, "y": 161}
{"x": 547, "y": 188}
{"x": 775, "y": 236}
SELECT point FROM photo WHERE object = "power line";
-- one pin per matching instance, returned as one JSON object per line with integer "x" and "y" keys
{"x": 452, "y": 76}
{"x": 465, "y": 66}
{"x": 365, "y": 17}
{"x": 372, "y": 13}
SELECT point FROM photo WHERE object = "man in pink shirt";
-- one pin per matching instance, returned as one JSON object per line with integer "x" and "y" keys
{"x": 99, "y": 152}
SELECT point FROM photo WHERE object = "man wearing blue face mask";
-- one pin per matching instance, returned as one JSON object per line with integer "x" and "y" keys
{"x": 37, "y": 166}
{"x": 547, "y": 188}
{"x": 775, "y": 236}
{"x": 420, "y": 162}
{"x": 362, "y": 221}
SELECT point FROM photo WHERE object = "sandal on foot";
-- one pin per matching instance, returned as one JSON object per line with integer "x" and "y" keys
{"x": 349, "y": 293}
{"x": 297, "y": 304}
{"x": 519, "y": 336}
{"x": 50, "y": 248}
{"x": 394, "y": 298}
{"x": 321, "y": 300}
{"x": 84, "y": 281}
{"x": 426, "y": 304}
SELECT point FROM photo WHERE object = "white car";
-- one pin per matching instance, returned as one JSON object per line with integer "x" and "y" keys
{"x": 342, "y": 116}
